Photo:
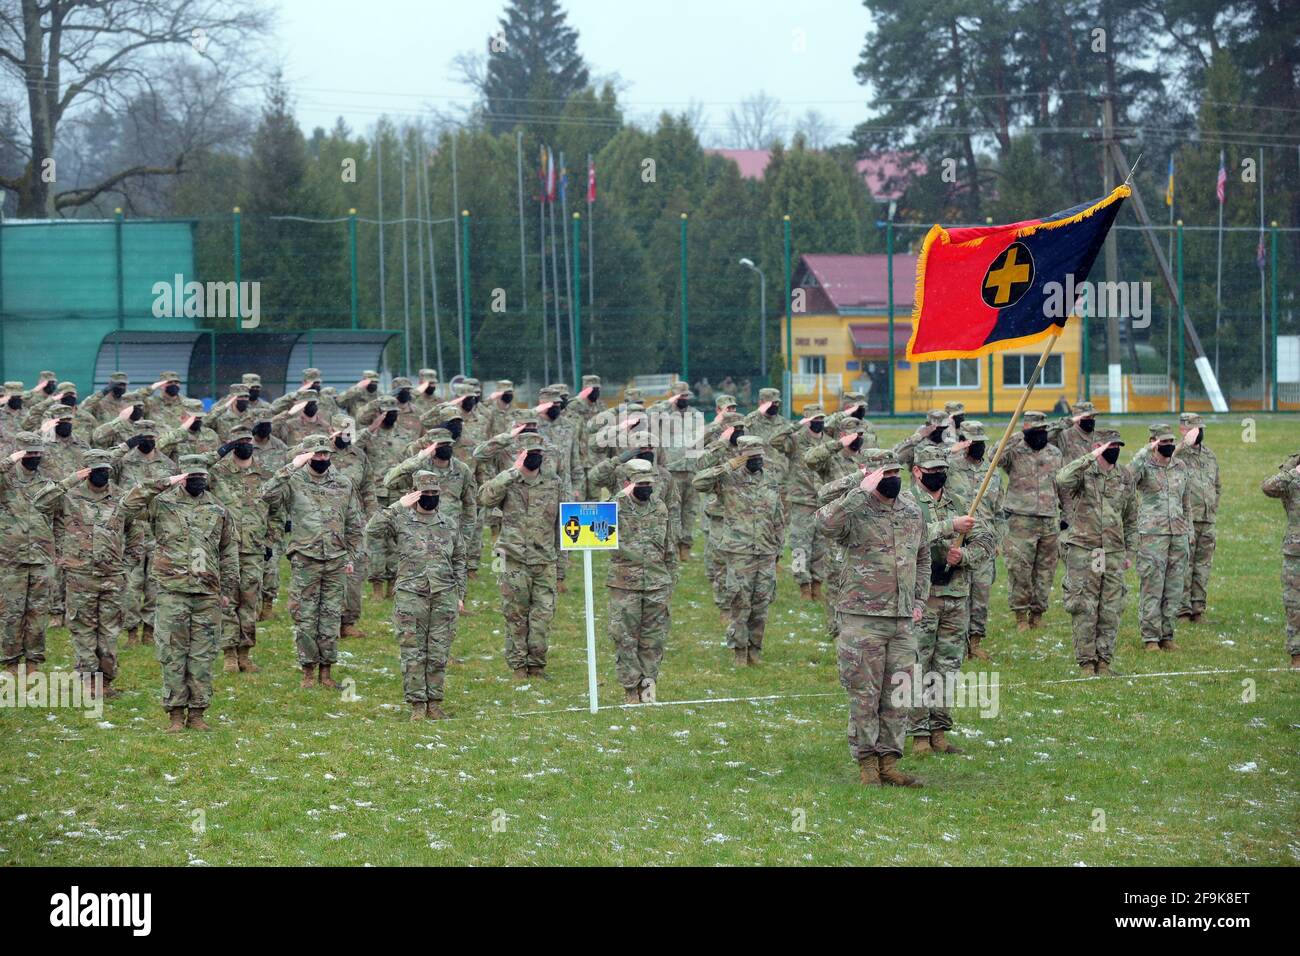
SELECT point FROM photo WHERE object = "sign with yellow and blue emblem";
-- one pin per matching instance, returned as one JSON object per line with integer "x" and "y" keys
{"x": 589, "y": 526}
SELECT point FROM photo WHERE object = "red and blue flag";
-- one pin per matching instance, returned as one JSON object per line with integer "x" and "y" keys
{"x": 982, "y": 289}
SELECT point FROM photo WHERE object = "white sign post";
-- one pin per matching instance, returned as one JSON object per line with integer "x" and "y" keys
{"x": 589, "y": 526}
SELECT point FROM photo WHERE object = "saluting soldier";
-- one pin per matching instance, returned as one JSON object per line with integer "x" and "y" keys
{"x": 1203, "y": 477}
{"x": 1285, "y": 486}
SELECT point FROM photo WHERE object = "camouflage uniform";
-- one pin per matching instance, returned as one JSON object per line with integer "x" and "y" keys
{"x": 837, "y": 465}
{"x": 642, "y": 573}
{"x": 426, "y": 391}
{"x": 964, "y": 477}
{"x": 384, "y": 446}
{"x": 324, "y": 512}
{"x": 198, "y": 439}
{"x": 776, "y": 431}
{"x": 1285, "y": 485}
{"x": 62, "y": 456}
{"x": 807, "y": 548}
{"x": 97, "y": 541}
{"x": 457, "y": 489}
{"x": 716, "y": 450}
{"x": 955, "y": 412}
{"x": 1203, "y": 475}
{"x": 1101, "y": 539}
{"x": 166, "y": 409}
{"x": 608, "y": 476}
{"x": 11, "y": 416}
{"x": 355, "y": 397}
{"x": 560, "y": 442}
{"x": 931, "y": 433}
{"x": 579, "y": 412}
{"x": 1070, "y": 436}
{"x": 1164, "y": 498}
{"x": 1033, "y": 522}
{"x": 402, "y": 395}
{"x": 62, "y": 402}
{"x": 885, "y": 575}
{"x": 292, "y": 428}
{"x": 236, "y": 410}
{"x": 133, "y": 466}
{"x": 195, "y": 563}
{"x": 273, "y": 454}
{"x": 941, "y": 636}
{"x": 350, "y": 460}
{"x": 106, "y": 403}
{"x": 327, "y": 404}
{"x": 747, "y": 542}
{"x": 45, "y": 387}
{"x": 852, "y": 405}
{"x": 680, "y": 430}
{"x": 430, "y": 549}
{"x": 27, "y": 539}
{"x": 526, "y": 550}
{"x": 474, "y": 430}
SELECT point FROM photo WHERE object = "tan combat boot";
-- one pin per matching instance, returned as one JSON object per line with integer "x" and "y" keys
{"x": 245, "y": 660}
{"x": 434, "y": 711}
{"x": 1103, "y": 669}
{"x": 471, "y": 574}
{"x": 110, "y": 692}
{"x": 1022, "y": 621}
{"x": 1150, "y": 646}
{"x": 1196, "y": 617}
{"x": 56, "y": 620}
{"x": 33, "y": 668}
{"x": 1295, "y": 662}
{"x": 146, "y": 635}
{"x": 817, "y": 590}
{"x": 268, "y": 609}
{"x": 177, "y": 720}
{"x": 1087, "y": 669}
{"x": 1035, "y": 620}
{"x": 631, "y": 695}
{"x": 939, "y": 742}
{"x": 755, "y": 656}
{"x": 805, "y": 591}
{"x": 419, "y": 710}
{"x": 388, "y": 590}
{"x": 351, "y": 630}
{"x": 561, "y": 588}
{"x": 742, "y": 656}
{"x": 538, "y": 672}
{"x": 921, "y": 745}
{"x": 976, "y": 649}
{"x": 891, "y": 776}
{"x": 683, "y": 552}
{"x": 325, "y": 680}
{"x": 132, "y": 637}
{"x": 377, "y": 590}
{"x": 231, "y": 665}
{"x": 88, "y": 686}
{"x": 196, "y": 721}
{"x": 520, "y": 674}
{"x": 869, "y": 771}
{"x": 308, "y": 676}
{"x": 1168, "y": 645}
{"x": 648, "y": 690}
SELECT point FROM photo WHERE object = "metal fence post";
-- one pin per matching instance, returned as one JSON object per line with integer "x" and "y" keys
{"x": 1273, "y": 309}
{"x": 889, "y": 269}
{"x": 237, "y": 222}
{"x": 685, "y": 370}
{"x": 352, "y": 264}
{"x": 1182, "y": 332}
{"x": 121, "y": 301}
{"x": 466, "y": 359}
{"x": 788, "y": 391}
{"x": 577, "y": 303}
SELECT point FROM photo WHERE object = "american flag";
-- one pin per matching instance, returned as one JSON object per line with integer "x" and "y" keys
{"x": 1222, "y": 181}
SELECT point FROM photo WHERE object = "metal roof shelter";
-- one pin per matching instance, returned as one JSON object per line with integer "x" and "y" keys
{"x": 210, "y": 360}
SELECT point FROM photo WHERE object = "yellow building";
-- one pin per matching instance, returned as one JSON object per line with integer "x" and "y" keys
{"x": 841, "y": 342}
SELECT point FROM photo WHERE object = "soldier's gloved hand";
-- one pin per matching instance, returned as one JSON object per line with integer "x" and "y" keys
{"x": 224, "y": 450}
{"x": 627, "y": 455}
{"x": 736, "y": 462}
{"x": 1064, "y": 524}
{"x": 134, "y": 440}
{"x": 266, "y": 554}
{"x": 288, "y": 527}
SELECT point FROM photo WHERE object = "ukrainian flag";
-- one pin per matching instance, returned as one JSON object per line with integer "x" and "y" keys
{"x": 1169, "y": 189}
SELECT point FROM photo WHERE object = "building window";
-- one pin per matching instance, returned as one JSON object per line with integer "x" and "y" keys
{"x": 1016, "y": 370}
{"x": 949, "y": 373}
{"x": 812, "y": 364}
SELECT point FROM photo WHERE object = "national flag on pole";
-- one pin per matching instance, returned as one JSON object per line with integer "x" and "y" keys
{"x": 543, "y": 174}
{"x": 1260, "y": 258}
{"x": 564, "y": 184}
{"x": 548, "y": 175}
{"x": 1169, "y": 188}
{"x": 1222, "y": 181}
{"x": 591, "y": 181}
{"x": 983, "y": 289}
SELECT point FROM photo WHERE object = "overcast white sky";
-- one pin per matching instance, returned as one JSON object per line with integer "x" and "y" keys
{"x": 362, "y": 59}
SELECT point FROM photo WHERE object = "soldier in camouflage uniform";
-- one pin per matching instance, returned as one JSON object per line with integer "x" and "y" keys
{"x": 62, "y": 402}
{"x": 642, "y": 573}
{"x": 1073, "y": 435}
{"x": 45, "y": 387}
{"x": 168, "y": 408}
{"x": 807, "y": 548}
{"x": 457, "y": 489}
{"x": 607, "y": 475}
{"x": 476, "y": 418}
{"x": 120, "y": 427}
{"x": 430, "y": 549}
{"x": 1098, "y": 549}
{"x": 195, "y": 563}
{"x": 579, "y": 412}
{"x": 11, "y": 416}
{"x": 1164, "y": 496}
{"x": 111, "y": 399}
{"x": 407, "y": 423}
{"x": 615, "y": 414}
{"x": 680, "y": 429}
{"x": 1034, "y": 523}
{"x": 356, "y": 397}
{"x": 97, "y": 541}
{"x": 27, "y": 539}
{"x": 837, "y": 464}
{"x": 384, "y": 442}
{"x": 63, "y": 454}
{"x": 942, "y": 633}
{"x": 528, "y": 494}
{"x": 767, "y": 423}
{"x": 720, "y": 440}
{"x": 350, "y": 460}
{"x": 237, "y": 476}
{"x": 611, "y": 440}
{"x": 426, "y": 390}
{"x": 311, "y": 382}
{"x": 324, "y": 512}
{"x": 1203, "y": 475}
{"x": 560, "y": 442}
{"x": 955, "y": 412}
{"x": 306, "y": 416}
{"x": 272, "y": 454}
{"x": 930, "y": 433}
{"x": 1285, "y": 486}
{"x": 885, "y": 580}
{"x": 852, "y": 405}
{"x": 967, "y": 466}
{"x": 747, "y": 542}
{"x": 236, "y": 410}
{"x": 192, "y": 436}
{"x": 136, "y": 461}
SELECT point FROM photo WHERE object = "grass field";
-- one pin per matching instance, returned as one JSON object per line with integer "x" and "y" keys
{"x": 1184, "y": 771}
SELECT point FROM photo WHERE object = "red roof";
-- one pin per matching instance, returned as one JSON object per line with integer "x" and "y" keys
{"x": 885, "y": 174}
{"x": 752, "y": 162}
{"x": 872, "y": 340}
{"x": 856, "y": 284}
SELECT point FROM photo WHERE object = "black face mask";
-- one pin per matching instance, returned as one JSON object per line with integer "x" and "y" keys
{"x": 314, "y": 386}
{"x": 936, "y": 436}
{"x": 341, "y": 443}
{"x": 683, "y": 402}
{"x": 243, "y": 451}
{"x": 48, "y": 387}
{"x": 403, "y": 395}
{"x": 241, "y": 404}
{"x": 32, "y": 462}
{"x": 855, "y": 444}
{"x": 15, "y": 402}
{"x": 145, "y": 446}
{"x": 454, "y": 428}
{"x": 754, "y": 464}
{"x": 859, "y": 413}
{"x": 553, "y": 412}
{"x": 196, "y": 425}
{"x": 310, "y": 409}
{"x": 99, "y": 477}
{"x": 816, "y": 427}
{"x": 736, "y": 435}
{"x": 63, "y": 429}
{"x": 647, "y": 456}
{"x": 1165, "y": 449}
{"x": 320, "y": 465}
{"x": 390, "y": 419}
{"x": 507, "y": 397}
{"x": 1036, "y": 438}
{"x": 934, "y": 480}
{"x": 262, "y": 430}
{"x": 774, "y": 409}
{"x": 1111, "y": 454}
{"x": 1200, "y": 435}
{"x": 957, "y": 420}
{"x": 119, "y": 391}
{"x": 442, "y": 453}
{"x": 172, "y": 390}
{"x": 428, "y": 388}
{"x": 529, "y": 428}
{"x": 69, "y": 400}
{"x": 254, "y": 392}
{"x": 595, "y": 395}
{"x": 1086, "y": 425}
{"x": 564, "y": 403}
{"x": 469, "y": 403}
{"x": 372, "y": 387}
{"x": 533, "y": 460}
{"x": 890, "y": 486}
{"x": 976, "y": 450}
{"x": 428, "y": 502}
{"x": 642, "y": 492}
{"x": 137, "y": 413}
{"x": 196, "y": 485}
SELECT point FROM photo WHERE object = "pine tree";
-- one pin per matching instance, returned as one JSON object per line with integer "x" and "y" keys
{"x": 533, "y": 67}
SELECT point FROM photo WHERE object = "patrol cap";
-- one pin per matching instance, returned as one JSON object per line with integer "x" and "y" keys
{"x": 426, "y": 375}
{"x": 751, "y": 445}
{"x": 306, "y": 395}
{"x": 437, "y": 436}
{"x": 191, "y": 465}
{"x": 642, "y": 439}
{"x": 955, "y": 408}
{"x": 811, "y": 411}
{"x": 476, "y": 385}
{"x": 591, "y": 381}
{"x": 850, "y": 426}
{"x": 1160, "y": 430}
{"x": 264, "y": 418}
{"x": 342, "y": 423}
{"x": 310, "y": 374}
{"x": 1033, "y": 420}
{"x": 194, "y": 405}
{"x": 463, "y": 388}
{"x": 549, "y": 394}
{"x": 639, "y": 471}
{"x": 449, "y": 412}
{"x": 370, "y": 373}
{"x": 769, "y": 395}
{"x": 723, "y": 401}
{"x": 505, "y": 385}
{"x": 119, "y": 378}
{"x": 46, "y": 375}
{"x": 29, "y": 442}
{"x": 730, "y": 418}
{"x": 561, "y": 388}
{"x": 96, "y": 458}
{"x": 877, "y": 458}
{"x": 1190, "y": 419}
{"x": 329, "y": 390}
{"x": 252, "y": 378}
{"x": 680, "y": 388}
{"x": 631, "y": 394}
{"x": 1083, "y": 408}
{"x": 64, "y": 416}
{"x": 973, "y": 430}
{"x": 66, "y": 387}
{"x": 240, "y": 433}
{"x": 936, "y": 416}
{"x": 529, "y": 441}
{"x": 239, "y": 390}
{"x": 386, "y": 403}
{"x": 401, "y": 382}
{"x": 852, "y": 398}
{"x": 1107, "y": 436}
{"x": 316, "y": 444}
{"x": 527, "y": 418}
{"x": 932, "y": 457}
{"x": 13, "y": 386}
{"x": 146, "y": 428}
{"x": 170, "y": 377}
{"x": 425, "y": 480}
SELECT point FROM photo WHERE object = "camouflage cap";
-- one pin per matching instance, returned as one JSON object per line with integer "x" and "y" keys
{"x": 427, "y": 375}
{"x": 29, "y": 442}
{"x": 316, "y": 444}
{"x": 529, "y": 417}
{"x": 561, "y": 387}
{"x": 1033, "y": 420}
{"x": 64, "y": 415}
{"x": 1160, "y": 430}
{"x": 955, "y": 408}
{"x": 591, "y": 381}
{"x": 751, "y": 445}
{"x": 724, "y": 400}
{"x": 973, "y": 430}
{"x": 638, "y": 471}
{"x": 449, "y": 412}
{"x": 549, "y": 394}
{"x": 769, "y": 395}
{"x": 1107, "y": 436}
{"x": 239, "y": 390}
{"x": 425, "y": 480}
{"x": 264, "y": 418}
{"x": 460, "y": 389}
{"x": 680, "y": 388}
{"x": 813, "y": 410}
{"x": 194, "y": 405}
{"x": 401, "y": 382}
{"x": 936, "y": 416}
{"x": 306, "y": 395}
{"x": 529, "y": 441}
{"x": 310, "y": 374}
{"x": 146, "y": 428}
{"x": 169, "y": 377}
{"x": 386, "y": 403}
{"x": 13, "y": 386}
{"x": 191, "y": 465}
{"x": 631, "y": 394}
{"x": 877, "y": 458}
{"x": 46, "y": 375}
{"x": 119, "y": 378}
{"x": 252, "y": 378}
{"x": 370, "y": 373}
{"x": 438, "y": 436}
{"x": 96, "y": 458}
{"x": 239, "y": 433}
{"x": 1083, "y": 408}
{"x": 642, "y": 439}
{"x": 478, "y": 386}
{"x": 930, "y": 457}
{"x": 852, "y": 398}
{"x": 66, "y": 387}
{"x": 632, "y": 408}
{"x": 1190, "y": 419}
{"x": 850, "y": 426}
{"x": 505, "y": 385}
{"x": 341, "y": 423}
{"x": 730, "y": 418}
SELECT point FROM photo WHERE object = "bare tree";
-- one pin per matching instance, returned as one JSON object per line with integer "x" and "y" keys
{"x": 758, "y": 122}
{"x": 816, "y": 128}
{"x": 66, "y": 53}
